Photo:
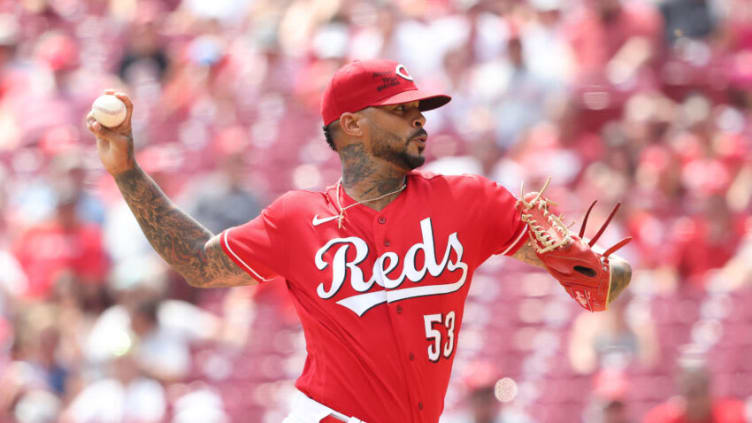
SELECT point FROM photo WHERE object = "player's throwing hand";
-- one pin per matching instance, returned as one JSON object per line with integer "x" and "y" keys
{"x": 114, "y": 145}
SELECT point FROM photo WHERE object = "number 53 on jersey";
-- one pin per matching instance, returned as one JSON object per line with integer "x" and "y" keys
{"x": 438, "y": 346}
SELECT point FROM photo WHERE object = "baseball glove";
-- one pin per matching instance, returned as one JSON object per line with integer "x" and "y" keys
{"x": 591, "y": 276}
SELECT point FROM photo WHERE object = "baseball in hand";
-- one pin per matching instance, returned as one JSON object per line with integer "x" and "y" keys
{"x": 108, "y": 110}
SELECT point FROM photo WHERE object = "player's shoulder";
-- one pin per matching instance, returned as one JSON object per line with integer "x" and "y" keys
{"x": 302, "y": 195}
{"x": 454, "y": 182}
{"x": 301, "y": 203}
{"x": 301, "y": 199}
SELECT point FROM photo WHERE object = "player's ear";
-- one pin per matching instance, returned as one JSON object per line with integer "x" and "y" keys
{"x": 351, "y": 124}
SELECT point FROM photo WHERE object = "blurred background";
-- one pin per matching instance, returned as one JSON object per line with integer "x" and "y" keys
{"x": 642, "y": 102}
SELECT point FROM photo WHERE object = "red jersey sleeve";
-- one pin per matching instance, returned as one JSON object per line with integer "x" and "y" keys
{"x": 505, "y": 232}
{"x": 258, "y": 246}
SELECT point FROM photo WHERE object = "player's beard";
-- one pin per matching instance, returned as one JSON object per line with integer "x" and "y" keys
{"x": 394, "y": 149}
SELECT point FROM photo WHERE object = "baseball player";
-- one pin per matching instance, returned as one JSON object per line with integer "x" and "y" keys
{"x": 379, "y": 264}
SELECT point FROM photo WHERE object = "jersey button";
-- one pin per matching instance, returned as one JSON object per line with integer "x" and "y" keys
{"x": 411, "y": 356}
{"x": 420, "y": 406}
{"x": 399, "y": 309}
{"x": 387, "y": 243}
{"x": 382, "y": 219}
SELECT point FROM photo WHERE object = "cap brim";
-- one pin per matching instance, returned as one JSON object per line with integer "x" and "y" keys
{"x": 428, "y": 100}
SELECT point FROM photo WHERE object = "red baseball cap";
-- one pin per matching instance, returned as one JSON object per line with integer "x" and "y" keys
{"x": 361, "y": 84}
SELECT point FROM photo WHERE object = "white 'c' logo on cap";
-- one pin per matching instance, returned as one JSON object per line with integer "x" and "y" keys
{"x": 402, "y": 71}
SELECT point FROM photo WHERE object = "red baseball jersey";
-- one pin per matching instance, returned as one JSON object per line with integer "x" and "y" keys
{"x": 381, "y": 298}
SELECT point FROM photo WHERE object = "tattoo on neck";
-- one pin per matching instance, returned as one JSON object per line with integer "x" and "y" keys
{"x": 356, "y": 166}
{"x": 387, "y": 184}
{"x": 359, "y": 169}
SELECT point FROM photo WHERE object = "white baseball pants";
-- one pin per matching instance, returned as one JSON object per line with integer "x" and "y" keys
{"x": 307, "y": 410}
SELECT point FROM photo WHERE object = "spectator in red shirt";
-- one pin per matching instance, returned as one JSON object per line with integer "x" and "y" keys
{"x": 607, "y": 28}
{"x": 63, "y": 245}
{"x": 608, "y": 403}
{"x": 705, "y": 240}
{"x": 696, "y": 403}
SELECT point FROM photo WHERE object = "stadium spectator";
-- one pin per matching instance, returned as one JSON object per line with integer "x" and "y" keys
{"x": 737, "y": 271}
{"x": 70, "y": 173}
{"x": 522, "y": 101}
{"x": 13, "y": 280}
{"x": 63, "y": 244}
{"x": 705, "y": 239}
{"x": 125, "y": 394}
{"x": 696, "y": 402}
{"x": 607, "y": 30}
{"x": 482, "y": 403}
{"x": 145, "y": 57}
{"x": 609, "y": 402}
{"x": 226, "y": 187}
{"x": 695, "y": 19}
{"x": 612, "y": 340}
{"x": 547, "y": 51}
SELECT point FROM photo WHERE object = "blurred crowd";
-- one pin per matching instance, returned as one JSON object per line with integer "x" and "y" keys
{"x": 643, "y": 102}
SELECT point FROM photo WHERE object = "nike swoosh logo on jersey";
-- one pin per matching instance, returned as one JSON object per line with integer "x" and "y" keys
{"x": 319, "y": 220}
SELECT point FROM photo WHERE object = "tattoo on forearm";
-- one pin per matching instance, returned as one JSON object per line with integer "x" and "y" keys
{"x": 177, "y": 237}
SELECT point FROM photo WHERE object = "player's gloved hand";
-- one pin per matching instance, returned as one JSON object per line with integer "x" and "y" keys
{"x": 592, "y": 276}
{"x": 115, "y": 145}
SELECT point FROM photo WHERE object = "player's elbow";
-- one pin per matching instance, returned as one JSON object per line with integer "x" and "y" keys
{"x": 202, "y": 281}
{"x": 192, "y": 279}
{"x": 194, "y": 276}
{"x": 195, "y": 283}
{"x": 220, "y": 281}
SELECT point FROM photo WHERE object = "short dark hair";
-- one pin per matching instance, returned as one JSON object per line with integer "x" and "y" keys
{"x": 149, "y": 309}
{"x": 329, "y": 136}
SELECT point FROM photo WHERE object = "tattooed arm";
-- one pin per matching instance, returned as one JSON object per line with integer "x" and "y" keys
{"x": 188, "y": 247}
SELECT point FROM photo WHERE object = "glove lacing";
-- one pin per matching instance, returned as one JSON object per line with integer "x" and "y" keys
{"x": 542, "y": 236}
